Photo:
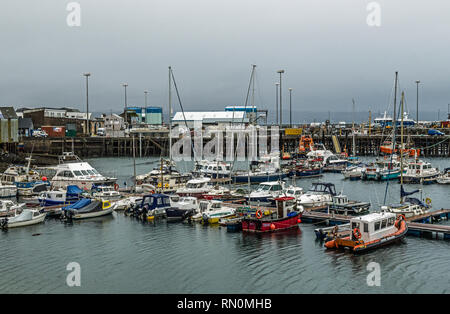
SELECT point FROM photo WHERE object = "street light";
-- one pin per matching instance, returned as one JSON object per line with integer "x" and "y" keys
{"x": 88, "y": 131}
{"x": 126, "y": 106}
{"x": 145, "y": 93}
{"x": 417, "y": 113}
{"x": 290, "y": 107}
{"x": 276, "y": 101}
{"x": 281, "y": 105}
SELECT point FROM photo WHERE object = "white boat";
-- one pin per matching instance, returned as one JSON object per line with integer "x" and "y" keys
{"x": 8, "y": 206}
{"x": 73, "y": 171}
{"x": 212, "y": 211}
{"x": 125, "y": 203}
{"x": 106, "y": 192}
{"x": 444, "y": 178}
{"x": 320, "y": 194}
{"x": 26, "y": 218}
{"x": 266, "y": 193}
{"x": 420, "y": 171}
{"x": 187, "y": 202}
{"x": 27, "y": 180}
{"x": 328, "y": 158}
{"x": 8, "y": 190}
{"x": 354, "y": 172}
{"x": 213, "y": 169}
{"x": 198, "y": 187}
{"x": 409, "y": 206}
{"x": 294, "y": 191}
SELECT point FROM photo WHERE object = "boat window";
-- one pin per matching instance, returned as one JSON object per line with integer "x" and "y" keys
{"x": 216, "y": 205}
{"x": 377, "y": 225}
{"x": 276, "y": 188}
{"x": 159, "y": 201}
{"x": 166, "y": 201}
{"x": 355, "y": 225}
{"x": 366, "y": 227}
{"x": 67, "y": 174}
{"x": 77, "y": 173}
{"x": 383, "y": 223}
{"x": 84, "y": 172}
{"x": 290, "y": 192}
{"x": 391, "y": 221}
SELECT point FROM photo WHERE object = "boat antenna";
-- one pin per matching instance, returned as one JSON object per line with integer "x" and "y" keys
{"x": 401, "y": 148}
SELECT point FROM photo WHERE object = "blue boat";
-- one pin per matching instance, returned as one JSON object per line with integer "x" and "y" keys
{"x": 61, "y": 197}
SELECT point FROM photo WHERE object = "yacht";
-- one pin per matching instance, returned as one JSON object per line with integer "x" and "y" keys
{"x": 8, "y": 206}
{"x": 266, "y": 193}
{"x": 409, "y": 206}
{"x": 73, "y": 171}
{"x": 420, "y": 171}
{"x": 266, "y": 169}
{"x": 328, "y": 158}
{"x": 213, "y": 169}
{"x": 198, "y": 187}
{"x": 320, "y": 194}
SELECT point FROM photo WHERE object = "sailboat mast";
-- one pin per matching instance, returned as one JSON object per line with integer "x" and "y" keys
{"x": 401, "y": 146}
{"x": 253, "y": 94}
{"x": 394, "y": 118}
{"x": 170, "y": 114}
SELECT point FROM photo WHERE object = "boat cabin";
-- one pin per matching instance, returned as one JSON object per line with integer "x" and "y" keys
{"x": 153, "y": 201}
{"x": 419, "y": 167}
{"x": 374, "y": 226}
{"x": 270, "y": 186}
{"x": 340, "y": 199}
{"x": 285, "y": 205}
{"x": 198, "y": 183}
{"x": 205, "y": 206}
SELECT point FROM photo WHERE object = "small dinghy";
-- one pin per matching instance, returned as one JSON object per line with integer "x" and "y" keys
{"x": 27, "y": 217}
{"x": 87, "y": 208}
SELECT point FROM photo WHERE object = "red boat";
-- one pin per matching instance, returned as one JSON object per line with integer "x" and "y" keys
{"x": 285, "y": 217}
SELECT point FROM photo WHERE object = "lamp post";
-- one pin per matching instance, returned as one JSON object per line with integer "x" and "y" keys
{"x": 126, "y": 106}
{"x": 281, "y": 104}
{"x": 290, "y": 107}
{"x": 145, "y": 94}
{"x": 276, "y": 101}
{"x": 417, "y": 103}
{"x": 88, "y": 131}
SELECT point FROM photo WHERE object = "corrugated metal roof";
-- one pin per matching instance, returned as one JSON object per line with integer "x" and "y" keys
{"x": 210, "y": 116}
{"x": 7, "y": 113}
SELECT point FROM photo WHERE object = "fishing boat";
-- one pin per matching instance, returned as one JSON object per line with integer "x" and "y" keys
{"x": 27, "y": 180}
{"x": 266, "y": 193}
{"x": 285, "y": 217}
{"x": 7, "y": 207}
{"x": 8, "y": 190}
{"x": 354, "y": 172}
{"x": 87, "y": 208}
{"x": 342, "y": 205}
{"x": 327, "y": 157}
{"x": 444, "y": 178}
{"x": 308, "y": 168}
{"x": 371, "y": 231}
{"x": 210, "y": 212}
{"x": 71, "y": 170}
{"x": 60, "y": 196}
{"x": 382, "y": 170}
{"x": 105, "y": 192}
{"x": 320, "y": 194}
{"x": 181, "y": 208}
{"x": 27, "y": 217}
{"x": 420, "y": 171}
{"x": 305, "y": 144}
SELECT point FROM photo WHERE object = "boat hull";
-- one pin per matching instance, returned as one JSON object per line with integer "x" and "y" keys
{"x": 270, "y": 225}
{"x": 34, "y": 221}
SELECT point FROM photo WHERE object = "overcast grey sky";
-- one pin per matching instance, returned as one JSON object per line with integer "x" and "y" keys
{"x": 329, "y": 52}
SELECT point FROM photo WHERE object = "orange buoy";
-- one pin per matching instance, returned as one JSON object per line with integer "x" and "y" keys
{"x": 299, "y": 220}
{"x": 259, "y": 214}
{"x": 116, "y": 187}
{"x": 272, "y": 226}
{"x": 44, "y": 178}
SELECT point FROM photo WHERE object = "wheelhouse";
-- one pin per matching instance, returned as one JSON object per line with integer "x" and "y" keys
{"x": 374, "y": 226}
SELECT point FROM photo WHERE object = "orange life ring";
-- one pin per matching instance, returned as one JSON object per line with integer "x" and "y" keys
{"x": 357, "y": 233}
{"x": 116, "y": 187}
{"x": 259, "y": 214}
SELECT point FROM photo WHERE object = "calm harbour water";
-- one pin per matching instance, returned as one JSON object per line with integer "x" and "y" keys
{"x": 118, "y": 254}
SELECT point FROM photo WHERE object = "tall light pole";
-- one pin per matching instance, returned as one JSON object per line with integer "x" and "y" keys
{"x": 290, "y": 107}
{"x": 276, "y": 101}
{"x": 281, "y": 105}
{"x": 126, "y": 106}
{"x": 145, "y": 96}
{"x": 417, "y": 108}
{"x": 88, "y": 131}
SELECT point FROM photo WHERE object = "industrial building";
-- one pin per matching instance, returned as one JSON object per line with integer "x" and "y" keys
{"x": 146, "y": 115}
{"x": 9, "y": 125}
{"x": 210, "y": 118}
